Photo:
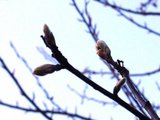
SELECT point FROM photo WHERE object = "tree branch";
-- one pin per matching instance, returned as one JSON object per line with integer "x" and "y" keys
{"x": 49, "y": 41}
{"x": 130, "y": 97}
{"x": 145, "y": 27}
{"x": 116, "y": 7}
{"x": 22, "y": 90}
{"x": 92, "y": 28}
{"x": 119, "y": 66}
{"x": 37, "y": 79}
{"x": 93, "y": 72}
{"x": 65, "y": 113}
{"x": 121, "y": 11}
{"x": 82, "y": 96}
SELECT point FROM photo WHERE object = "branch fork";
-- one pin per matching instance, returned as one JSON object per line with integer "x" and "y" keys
{"x": 49, "y": 41}
{"x": 119, "y": 66}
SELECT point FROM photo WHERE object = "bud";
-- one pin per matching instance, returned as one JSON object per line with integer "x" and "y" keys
{"x": 49, "y": 38}
{"x": 102, "y": 49}
{"x": 46, "y": 30}
{"x": 118, "y": 86}
{"x": 46, "y": 69}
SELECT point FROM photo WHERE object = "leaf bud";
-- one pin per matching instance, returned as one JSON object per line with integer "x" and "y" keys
{"x": 102, "y": 49}
{"x": 46, "y": 69}
{"x": 49, "y": 38}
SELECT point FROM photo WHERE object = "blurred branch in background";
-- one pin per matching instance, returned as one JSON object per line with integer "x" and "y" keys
{"x": 102, "y": 73}
{"x": 87, "y": 19}
{"x": 126, "y": 90}
{"x": 44, "y": 90}
{"x": 84, "y": 97}
{"x": 131, "y": 85}
{"x": 48, "y": 107}
{"x": 50, "y": 42}
{"x": 22, "y": 91}
{"x": 143, "y": 26}
{"x": 52, "y": 112}
{"x": 142, "y": 11}
{"x": 47, "y": 113}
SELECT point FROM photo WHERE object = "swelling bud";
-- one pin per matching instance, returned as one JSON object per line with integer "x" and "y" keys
{"x": 102, "y": 49}
{"x": 49, "y": 38}
{"x": 46, "y": 69}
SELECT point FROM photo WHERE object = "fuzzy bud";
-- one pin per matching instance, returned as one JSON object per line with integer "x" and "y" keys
{"x": 46, "y": 69}
{"x": 102, "y": 49}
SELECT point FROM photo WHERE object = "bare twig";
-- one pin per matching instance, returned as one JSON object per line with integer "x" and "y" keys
{"x": 63, "y": 61}
{"x": 82, "y": 96}
{"x": 37, "y": 79}
{"x": 58, "y": 111}
{"x": 146, "y": 73}
{"x": 144, "y": 5}
{"x": 119, "y": 66}
{"x": 92, "y": 28}
{"x": 22, "y": 90}
{"x": 145, "y": 27}
{"x": 65, "y": 113}
{"x": 93, "y": 72}
{"x": 116, "y": 7}
{"x": 130, "y": 97}
{"x": 122, "y": 12}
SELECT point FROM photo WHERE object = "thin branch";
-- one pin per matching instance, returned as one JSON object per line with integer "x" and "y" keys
{"x": 116, "y": 7}
{"x": 50, "y": 98}
{"x": 45, "y": 54}
{"x": 119, "y": 66}
{"x": 105, "y": 92}
{"x": 121, "y": 11}
{"x": 145, "y": 27}
{"x": 60, "y": 111}
{"x": 50, "y": 43}
{"x": 20, "y": 57}
{"x": 87, "y": 20}
{"x": 22, "y": 90}
{"x": 158, "y": 86}
{"x": 125, "y": 89}
{"x": 65, "y": 113}
{"x": 146, "y": 73}
{"x": 93, "y": 72}
{"x": 146, "y": 4}
{"x": 91, "y": 98}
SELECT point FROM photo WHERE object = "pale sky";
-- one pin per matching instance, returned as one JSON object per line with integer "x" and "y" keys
{"x": 22, "y": 22}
